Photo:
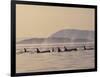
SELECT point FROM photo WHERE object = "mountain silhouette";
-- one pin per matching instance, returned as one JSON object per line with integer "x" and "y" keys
{"x": 63, "y": 36}
{"x": 73, "y": 34}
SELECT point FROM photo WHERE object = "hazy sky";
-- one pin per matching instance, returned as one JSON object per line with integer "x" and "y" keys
{"x": 42, "y": 21}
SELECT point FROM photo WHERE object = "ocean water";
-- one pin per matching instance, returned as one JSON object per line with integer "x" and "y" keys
{"x": 53, "y": 61}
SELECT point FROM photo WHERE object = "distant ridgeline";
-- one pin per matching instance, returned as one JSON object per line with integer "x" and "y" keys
{"x": 63, "y": 36}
